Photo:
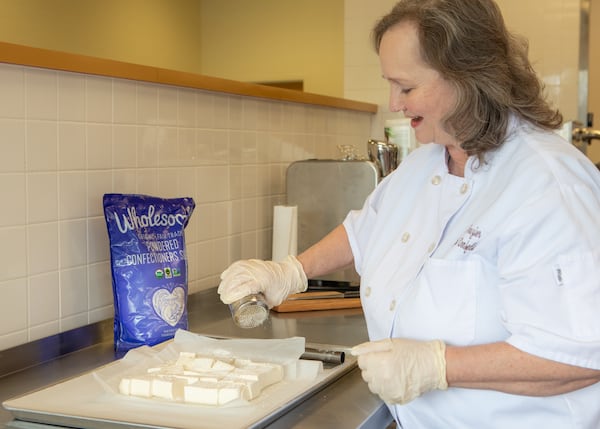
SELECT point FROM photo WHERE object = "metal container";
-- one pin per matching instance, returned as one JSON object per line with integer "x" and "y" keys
{"x": 384, "y": 155}
{"x": 324, "y": 192}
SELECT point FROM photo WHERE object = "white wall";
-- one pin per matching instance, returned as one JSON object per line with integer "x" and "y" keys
{"x": 275, "y": 40}
{"x": 66, "y": 139}
{"x": 552, "y": 27}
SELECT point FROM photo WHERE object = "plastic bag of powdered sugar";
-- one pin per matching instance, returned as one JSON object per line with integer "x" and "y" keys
{"x": 149, "y": 266}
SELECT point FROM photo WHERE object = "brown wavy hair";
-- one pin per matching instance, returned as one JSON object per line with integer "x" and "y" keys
{"x": 467, "y": 42}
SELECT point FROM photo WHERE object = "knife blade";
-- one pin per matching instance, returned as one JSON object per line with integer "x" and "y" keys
{"x": 323, "y": 295}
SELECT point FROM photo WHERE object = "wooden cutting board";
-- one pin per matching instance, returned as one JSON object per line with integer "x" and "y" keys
{"x": 311, "y": 301}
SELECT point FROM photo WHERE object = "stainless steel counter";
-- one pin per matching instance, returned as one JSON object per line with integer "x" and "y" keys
{"x": 346, "y": 403}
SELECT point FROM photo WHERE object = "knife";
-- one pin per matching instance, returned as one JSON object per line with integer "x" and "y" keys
{"x": 331, "y": 285}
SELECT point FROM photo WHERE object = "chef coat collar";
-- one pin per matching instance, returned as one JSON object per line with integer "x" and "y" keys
{"x": 471, "y": 169}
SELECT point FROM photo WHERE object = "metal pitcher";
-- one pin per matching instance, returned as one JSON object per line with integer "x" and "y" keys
{"x": 384, "y": 155}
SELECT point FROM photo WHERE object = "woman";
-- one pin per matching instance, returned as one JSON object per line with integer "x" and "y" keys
{"x": 480, "y": 255}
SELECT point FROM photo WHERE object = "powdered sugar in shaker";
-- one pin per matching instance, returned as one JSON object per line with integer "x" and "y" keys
{"x": 250, "y": 311}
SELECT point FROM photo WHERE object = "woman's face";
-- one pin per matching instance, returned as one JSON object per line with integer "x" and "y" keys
{"x": 416, "y": 89}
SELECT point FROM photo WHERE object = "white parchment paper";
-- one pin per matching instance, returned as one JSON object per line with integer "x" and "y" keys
{"x": 137, "y": 361}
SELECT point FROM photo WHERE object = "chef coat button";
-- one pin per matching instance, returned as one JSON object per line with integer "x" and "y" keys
{"x": 431, "y": 248}
{"x": 436, "y": 180}
{"x": 392, "y": 305}
{"x": 464, "y": 188}
{"x": 367, "y": 291}
{"x": 405, "y": 237}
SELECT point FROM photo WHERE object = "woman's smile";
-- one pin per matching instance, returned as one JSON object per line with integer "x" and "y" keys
{"x": 415, "y": 121}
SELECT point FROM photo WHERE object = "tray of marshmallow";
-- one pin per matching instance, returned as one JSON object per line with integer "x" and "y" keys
{"x": 191, "y": 381}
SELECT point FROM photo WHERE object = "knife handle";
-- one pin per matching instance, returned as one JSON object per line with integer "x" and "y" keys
{"x": 327, "y": 356}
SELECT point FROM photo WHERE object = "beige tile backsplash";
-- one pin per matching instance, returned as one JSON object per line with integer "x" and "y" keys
{"x": 66, "y": 139}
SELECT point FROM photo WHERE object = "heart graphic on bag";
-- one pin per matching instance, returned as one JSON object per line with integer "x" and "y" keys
{"x": 169, "y": 305}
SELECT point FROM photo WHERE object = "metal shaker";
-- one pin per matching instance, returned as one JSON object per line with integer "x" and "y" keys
{"x": 250, "y": 311}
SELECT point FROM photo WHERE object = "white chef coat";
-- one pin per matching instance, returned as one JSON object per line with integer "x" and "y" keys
{"x": 510, "y": 252}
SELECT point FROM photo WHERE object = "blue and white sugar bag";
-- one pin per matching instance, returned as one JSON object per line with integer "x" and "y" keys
{"x": 149, "y": 267}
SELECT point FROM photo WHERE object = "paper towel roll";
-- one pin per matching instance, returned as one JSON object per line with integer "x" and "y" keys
{"x": 285, "y": 232}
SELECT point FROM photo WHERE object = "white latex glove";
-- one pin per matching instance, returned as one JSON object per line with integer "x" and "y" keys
{"x": 276, "y": 280}
{"x": 400, "y": 370}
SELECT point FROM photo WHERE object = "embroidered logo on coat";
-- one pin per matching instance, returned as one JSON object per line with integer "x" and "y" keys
{"x": 470, "y": 238}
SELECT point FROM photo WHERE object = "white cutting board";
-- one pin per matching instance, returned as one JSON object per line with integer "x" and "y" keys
{"x": 85, "y": 402}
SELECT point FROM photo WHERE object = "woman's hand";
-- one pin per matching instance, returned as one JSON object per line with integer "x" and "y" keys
{"x": 275, "y": 280}
{"x": 400, "y": 370}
